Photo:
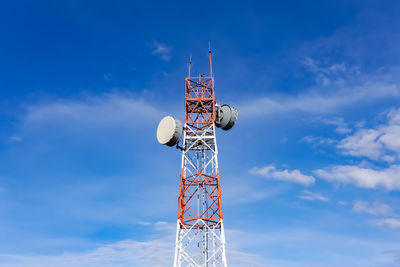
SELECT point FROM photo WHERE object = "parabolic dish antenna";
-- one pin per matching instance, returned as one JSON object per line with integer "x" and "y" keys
{"x": 226, "y": 116}
{"x": 169, "y": 131}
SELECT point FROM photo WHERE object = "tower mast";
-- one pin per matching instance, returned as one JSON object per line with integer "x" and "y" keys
{"x": 200, "y": 237}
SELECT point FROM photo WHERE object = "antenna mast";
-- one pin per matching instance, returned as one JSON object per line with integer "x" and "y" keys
{"x": 190, "y": 64}
{"x": 209, "y": 55}
{"x": 200, "y": 235}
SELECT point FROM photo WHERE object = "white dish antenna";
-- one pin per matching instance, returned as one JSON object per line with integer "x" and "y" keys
{"x": 169, "y": 131}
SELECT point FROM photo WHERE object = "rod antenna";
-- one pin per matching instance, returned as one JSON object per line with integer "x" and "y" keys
{"x": 209, "y": 55}
{"x": 190, "y": 63}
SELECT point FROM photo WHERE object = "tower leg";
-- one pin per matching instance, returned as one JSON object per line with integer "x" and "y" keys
{"x": 177, "y": 256}
{"x": 223, "y": 244}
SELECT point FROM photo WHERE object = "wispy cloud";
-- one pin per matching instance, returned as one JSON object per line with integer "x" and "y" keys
{"x": 378, "y": 143}
{"x": 283, "y": 175}
{"x": 106, "y": 108}
{"x": 165, "y": 227}
{"x": 386, "y": 217}
{"x": 388, "y": 178}
{"x": 326, "y": 75}
{"x": 317, "y": 140}
{"x": 308, "y": 195}
{"x": 341, "y": 126}
{"x": 396, "y": 254}
{"x": 317, "y": 103}
{"x": 156, "y": 252}
{"x": 343, "y": 249}
{"x": 119, "y": 254}
{"x": 343, "y": 91}
{"x": 375, "y": 208}
{"x": 381, "y": 144}
{"x": 388, "y": 222}
{"x": 162, "y": 50}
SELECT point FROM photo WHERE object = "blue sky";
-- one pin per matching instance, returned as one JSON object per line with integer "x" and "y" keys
{"x": 310, "y": 174}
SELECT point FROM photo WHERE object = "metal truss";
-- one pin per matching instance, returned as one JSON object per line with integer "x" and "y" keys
{"x": 200, "y": 237}
{"x": 201, "y": 246}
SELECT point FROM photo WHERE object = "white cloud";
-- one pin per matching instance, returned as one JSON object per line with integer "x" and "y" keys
{"x": 125, "y": 253}
{"x": 343, "y": 130}
{"x": 375, "y": 208}
{"x": 388, "y": 178}
{"x": 166, "y": 227}
{"x": 379, "y": 143}
{"x": 317, "y": 140}
{"x": 159, "y": 252}
{"x": 315, "y": 66}
{"x": 388, "y": 222}
{"x": 337, "y": 86}
{"x": 327, "y": 75}
{"x": 396, "y": 254}
{"x": 363, "y": 143}
{"x": 163, "y": 50}
{"x": 119, "y": 254}
{"x": 318, "y": 103}
{"x": 307, "y": 195}
{"x": 107, "y": 108}
{"x": 337, "y": 67}
{"x": 144, "y": 223}
{"x": 285, "y": 175}
{"x": 341, "y": 125}
{"x": 343, "y": 249}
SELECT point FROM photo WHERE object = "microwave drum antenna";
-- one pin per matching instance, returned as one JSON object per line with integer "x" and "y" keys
{"x": 226, "y": 116}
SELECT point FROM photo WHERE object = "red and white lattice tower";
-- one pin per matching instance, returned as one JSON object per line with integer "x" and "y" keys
{"x": 200, "y": 237}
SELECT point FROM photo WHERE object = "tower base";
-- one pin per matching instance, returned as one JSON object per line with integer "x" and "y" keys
{"x": 200, "y": 246}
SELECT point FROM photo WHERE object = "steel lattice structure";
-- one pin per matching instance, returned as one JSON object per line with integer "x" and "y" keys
{"x": 200, "y": 237}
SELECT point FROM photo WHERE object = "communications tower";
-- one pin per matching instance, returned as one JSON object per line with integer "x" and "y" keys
{"x": 200, "y": 237}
